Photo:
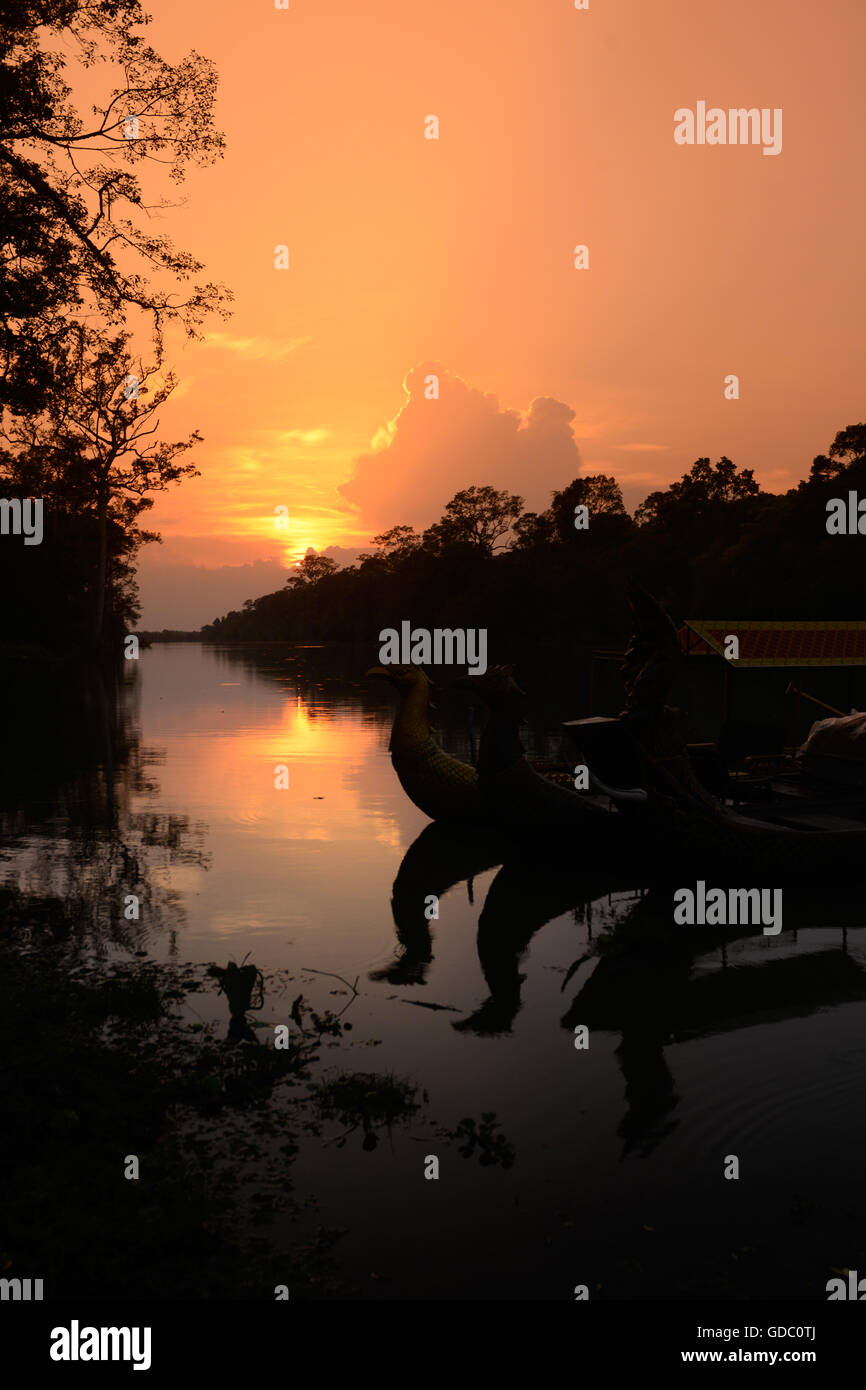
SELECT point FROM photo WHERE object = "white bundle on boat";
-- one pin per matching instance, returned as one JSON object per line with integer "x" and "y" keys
{"x": 837, "y": 747}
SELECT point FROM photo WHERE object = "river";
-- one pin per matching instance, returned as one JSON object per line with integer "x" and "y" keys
{"x": 604, "y": 1166}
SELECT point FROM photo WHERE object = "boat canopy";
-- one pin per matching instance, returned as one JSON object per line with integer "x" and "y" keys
{"x": 782, "y": 644}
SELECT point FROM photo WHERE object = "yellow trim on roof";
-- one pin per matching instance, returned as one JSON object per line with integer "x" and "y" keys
{"x": 705, "y": 627}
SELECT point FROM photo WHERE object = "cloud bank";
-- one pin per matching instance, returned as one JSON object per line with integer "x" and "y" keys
{"x": 183, "y": 595}
{"x": 434, "y": 447}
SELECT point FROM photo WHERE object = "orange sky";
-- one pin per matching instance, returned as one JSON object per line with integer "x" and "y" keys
{"x": 556, "y": 128}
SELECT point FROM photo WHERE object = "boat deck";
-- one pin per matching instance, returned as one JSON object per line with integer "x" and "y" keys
{"x": 801, "y": 804}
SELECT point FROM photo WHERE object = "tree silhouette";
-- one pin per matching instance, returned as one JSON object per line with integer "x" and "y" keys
{"x": 597, "y": 492}
{"x": 77, "y": 236}
{"x": 311, "y": 570}
{"x": 700, "y": 492}
{"x": 847, "y": 452}
{"x": 478, "y": 516}
{"x": 393, "y": 545}
{"x": 94, "y": 448}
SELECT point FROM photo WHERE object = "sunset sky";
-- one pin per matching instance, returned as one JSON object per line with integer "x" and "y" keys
{"x": 556, "y": 128}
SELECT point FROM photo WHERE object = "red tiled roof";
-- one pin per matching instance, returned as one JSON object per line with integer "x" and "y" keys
{"x": 782, "y": 643}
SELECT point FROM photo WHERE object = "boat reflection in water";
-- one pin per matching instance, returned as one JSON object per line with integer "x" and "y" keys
{"x": 650, "y": 981}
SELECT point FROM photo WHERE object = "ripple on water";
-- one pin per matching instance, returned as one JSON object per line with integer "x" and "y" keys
{"x": 796, "y": 1085}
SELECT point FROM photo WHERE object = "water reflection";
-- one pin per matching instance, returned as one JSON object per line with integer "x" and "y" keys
{"x": 441, "y": 857}
{"x": 161, "y": 786}
{"x": 641, "y": 985}
{"x": 80, "y": 848}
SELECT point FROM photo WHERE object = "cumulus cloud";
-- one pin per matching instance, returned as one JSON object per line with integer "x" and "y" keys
{"x": 433, "y": 448}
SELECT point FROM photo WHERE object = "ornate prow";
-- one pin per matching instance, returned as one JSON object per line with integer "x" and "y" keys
{"x": 444, "y": 788}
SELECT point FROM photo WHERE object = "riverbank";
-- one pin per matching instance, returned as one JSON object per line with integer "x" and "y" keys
{"x": 144, "y": 1151}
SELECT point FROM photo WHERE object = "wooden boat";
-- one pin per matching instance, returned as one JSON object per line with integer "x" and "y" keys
{"x": 514, "y": 795}
{"x": 444, "y": 788}
{"x": 665, "y": 809}
{"x": 801, "y": 827}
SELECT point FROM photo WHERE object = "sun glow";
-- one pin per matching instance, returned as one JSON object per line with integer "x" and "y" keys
{"x": 292, "y": 556}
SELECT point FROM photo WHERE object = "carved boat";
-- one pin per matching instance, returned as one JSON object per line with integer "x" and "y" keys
{"x": 646, "y": 742}
{"x": 441, "y": 786}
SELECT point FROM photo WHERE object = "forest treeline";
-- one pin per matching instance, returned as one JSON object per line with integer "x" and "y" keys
{"x": 712, "y": 545}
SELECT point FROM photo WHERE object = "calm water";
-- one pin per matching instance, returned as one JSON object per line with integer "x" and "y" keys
{"x": 617, "y": 1182}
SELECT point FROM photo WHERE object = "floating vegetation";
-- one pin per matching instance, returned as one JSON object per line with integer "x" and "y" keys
{"x": 492, "y": 1148}
{"x": 367, "y": 1100}
{"x": 242, "y": 986}
{"x": 106, "y": 1061}
{"x": 106, "y": 1066}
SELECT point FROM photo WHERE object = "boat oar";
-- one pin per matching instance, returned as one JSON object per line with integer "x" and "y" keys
{"x": 794, "y": 690}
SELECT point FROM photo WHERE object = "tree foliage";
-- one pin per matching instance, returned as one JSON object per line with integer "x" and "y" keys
{"x": 83, "y": 278}
{"x": 711, "y": 543}
{"x": 94, "y": 450}
{"x": 311, "y": 570}
{"x": 478, "y": 516}
{"x": 77, "y": 238}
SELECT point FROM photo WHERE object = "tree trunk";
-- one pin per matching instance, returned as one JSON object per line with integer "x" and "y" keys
{"x": 99, "y": 608}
